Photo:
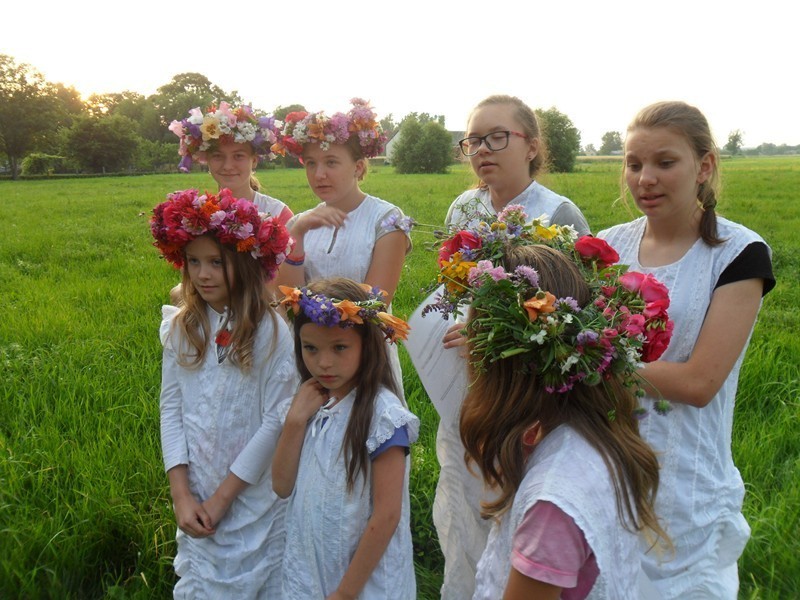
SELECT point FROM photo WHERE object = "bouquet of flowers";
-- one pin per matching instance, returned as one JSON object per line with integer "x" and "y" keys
{"x": 237, "y": 224}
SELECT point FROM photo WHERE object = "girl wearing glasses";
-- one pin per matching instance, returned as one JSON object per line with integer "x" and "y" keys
{"x": 506, "y": 151}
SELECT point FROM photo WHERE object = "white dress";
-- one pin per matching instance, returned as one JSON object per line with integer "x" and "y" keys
{"x": 566, "y": 470}
{"x": 217, "y": 419}
{"x": 701, "y": 491}
{"x": 324, "y": 523}
{"x": 347, "y": 251}
{"x": 456, "y": 506}
{"x": 268, "y": 204}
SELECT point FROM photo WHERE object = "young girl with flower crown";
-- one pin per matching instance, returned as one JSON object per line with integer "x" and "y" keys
{"x": 226, "y": 364}
{"x": 717, "y": 272}
{"x": 230, "y": 141}
{"x": 342, "y": 458}
{"x": 350, "y": 233}
{"x": 550, "y": 423}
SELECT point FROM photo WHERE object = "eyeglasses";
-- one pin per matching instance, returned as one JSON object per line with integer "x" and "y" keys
{"x": 497, "y": 140}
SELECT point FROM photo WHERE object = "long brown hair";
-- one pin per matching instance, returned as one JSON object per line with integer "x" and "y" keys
{"x": 374, "y": 372}
{"x": 505, "y": 400}
{"x": 248, "y": 304}
{"x": 689, "y": 122}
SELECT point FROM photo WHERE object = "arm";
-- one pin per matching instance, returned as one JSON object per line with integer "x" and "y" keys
{"x": 321, "y": 216}
{"x": 388, "y": 476}
{"x": 521, "y": 587}
{"x": 386, "y": 266}
{"x": 727, "y": 325}
{"x": 220, "y": 501}
{"x": 190, "y": 515}
{"x": 308, "y": 400}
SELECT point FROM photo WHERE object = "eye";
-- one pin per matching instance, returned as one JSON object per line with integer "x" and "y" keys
{"x": 309, "y": 348}
{"x": 498, "y": 136}
{"x": 340, "y": 347}
{"x": 666, "y": 164}
{"x": 217, "y": 262}
{"x": 633, "y": 166}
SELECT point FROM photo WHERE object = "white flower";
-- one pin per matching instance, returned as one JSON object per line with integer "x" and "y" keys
{"x": 568, "y": 364}
{"x": 539, "y": 337}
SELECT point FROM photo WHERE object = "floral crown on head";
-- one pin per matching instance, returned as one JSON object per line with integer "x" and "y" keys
{"x": 624, "y": 324}
{"x": 301, "y": 128}
{"x": 331, "y": 312}
{"x": 199, "y": 133}
{"x": 188, "y": 214}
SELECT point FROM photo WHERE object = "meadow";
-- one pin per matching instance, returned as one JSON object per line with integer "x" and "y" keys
{"x": 84, "y": 502}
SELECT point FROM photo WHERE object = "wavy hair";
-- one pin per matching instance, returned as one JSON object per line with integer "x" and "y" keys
{"x": 505, "y": 400}
{"x": 248, "y": 304}
{"x": 374, "y": 372}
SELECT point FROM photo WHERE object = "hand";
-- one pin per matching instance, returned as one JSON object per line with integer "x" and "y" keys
{"x": 307, "y": 401}
{"x": 192, "y": 517}
{"x": 321, "y": 216}
{"x": 216, "y": 507}
{"x": 454, "y": 338}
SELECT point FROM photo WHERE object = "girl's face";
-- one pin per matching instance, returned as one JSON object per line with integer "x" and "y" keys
{"x": 205, "y": 268}
{"x": 510, "y": 164}
{"x": 663, "y": 173}
{"x": 332, "y": 174}
{"x": 332, "y": 355}
{"x": 232, "y": 164}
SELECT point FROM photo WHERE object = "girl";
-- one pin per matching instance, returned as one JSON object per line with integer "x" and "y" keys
{"x": 506, "y": 151}
{"x": 717, "y": 272}
{"x": 230, "y": 142}
{"x": 350, "y": 233}
{"x": 549, "y": 422}
{"x": 226, "y": 364}
{"x": 343, "y": 452}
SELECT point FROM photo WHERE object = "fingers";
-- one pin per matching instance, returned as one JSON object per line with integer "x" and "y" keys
{"x": 454, "y": 336}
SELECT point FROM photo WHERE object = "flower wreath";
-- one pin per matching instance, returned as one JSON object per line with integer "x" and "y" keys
{"x": 302, "y": 128}
{"x": 199, "y": 133}
{"x": 330, "y": 312}
{"x": 187, "y": 214}
{"x": 624, "y": 324}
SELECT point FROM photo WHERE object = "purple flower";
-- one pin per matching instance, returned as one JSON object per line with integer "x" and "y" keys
{"x": 528, "y": 273}
{"x": 587, "y": 338}
{"x": 568, "y": 301}
{"x": 319, "y": 309}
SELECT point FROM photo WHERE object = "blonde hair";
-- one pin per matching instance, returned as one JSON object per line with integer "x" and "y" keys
{"x": 248, "y": 306}
{"x": 688, "y": 121}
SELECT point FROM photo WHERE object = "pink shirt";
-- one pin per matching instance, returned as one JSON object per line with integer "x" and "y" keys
{"x": 548, "y": 546}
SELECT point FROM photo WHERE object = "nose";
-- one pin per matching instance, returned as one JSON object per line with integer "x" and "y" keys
{"x": 204, "y": 271}
{"x": 647, "y": 176}
{"x": 324, "y": 361}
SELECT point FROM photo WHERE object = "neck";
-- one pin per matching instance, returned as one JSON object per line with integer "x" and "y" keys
{"x": 245, "y": 192}
{"x": 676, "y": 227}
{"x": 501, "y": 194}
{"x": 352, "y": 201}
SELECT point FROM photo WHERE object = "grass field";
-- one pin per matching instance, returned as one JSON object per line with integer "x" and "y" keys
{"x": 84, "y": 502}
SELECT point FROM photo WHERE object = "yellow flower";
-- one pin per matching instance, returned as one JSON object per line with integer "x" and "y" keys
{"x": 547, "y": 233}
{"x": 541, "y": 304}
{"x": 210, "y": 128}
{"x": 454, "y": 273}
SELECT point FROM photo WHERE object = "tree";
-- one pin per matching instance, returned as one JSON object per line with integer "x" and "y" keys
{"x": 104, "y": 144}
{"x": 590, "y": 150}
{"x": 422, "y": 147}
{"x": 388, "y": 125}
{"x": 610, "y": 142}
{"x": 562, "y": 138}
{"x": 734, "y": 145}
{"x": 28, "y": 110}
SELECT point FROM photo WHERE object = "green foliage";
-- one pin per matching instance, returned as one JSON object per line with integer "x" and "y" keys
{"x": 422, "y": 147}
{"x": 562, "y": 138}
{"x": 156, "y": 156}
{"x": 84, "y": 502}
{"x": 43, "y": 164}
{"x": 610, "y": 142}
{"x": 104, "y": 144}
{"x": 734, "y": 143}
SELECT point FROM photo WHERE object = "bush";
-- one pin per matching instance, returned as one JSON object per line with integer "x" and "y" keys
{"x": 423, "y": 148}
{"x": 43, "y": 164}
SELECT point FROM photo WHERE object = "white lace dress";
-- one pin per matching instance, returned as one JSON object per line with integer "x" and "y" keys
{"x": 347, "y": 251}
{"x": 217, "y": 419}
{"x": 268, "y": 204}
{"x": 324, "y": 523}
{"x": 701, "y": 492}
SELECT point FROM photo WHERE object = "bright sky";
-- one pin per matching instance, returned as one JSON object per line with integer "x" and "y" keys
{"x": 597, "y": 62}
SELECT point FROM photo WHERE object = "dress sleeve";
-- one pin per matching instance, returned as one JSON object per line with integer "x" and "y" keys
{"x": 174, "y": 448}
{"x": 569, "y": 214}
{"x": 256, "y": 456}
{"x": 752, "y": 263}
{"x": 548, "y": 546}
{"x": 391, "y": 221}
{"x": 399, "y": 438}
{"x": 390, "y": 414}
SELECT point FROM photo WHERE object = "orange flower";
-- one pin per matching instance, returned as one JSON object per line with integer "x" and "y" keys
{"x": 400, "y": 327}
{"x": 291, "y": 296}
{"x": 246, "y": 245}
{"x": 348, "y": 311}
{"x": 541, "y": 304}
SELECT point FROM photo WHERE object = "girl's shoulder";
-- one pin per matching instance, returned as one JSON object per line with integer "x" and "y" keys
{"x": 622, "y": 228}
{"x": 730, "y": 231}
{"x": 390, "y": 414}
{"x": 268, "y": 204}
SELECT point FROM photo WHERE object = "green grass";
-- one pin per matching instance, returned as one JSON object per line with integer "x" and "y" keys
{"x": 84, "y": 503}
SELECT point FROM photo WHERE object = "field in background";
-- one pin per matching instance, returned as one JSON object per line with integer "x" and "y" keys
{"x": 84, "y": 503}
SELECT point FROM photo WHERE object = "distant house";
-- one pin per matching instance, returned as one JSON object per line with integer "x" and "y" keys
{"x": 455, "y": 135}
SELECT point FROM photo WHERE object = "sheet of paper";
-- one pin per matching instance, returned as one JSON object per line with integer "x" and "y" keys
{"x": 443, "y": 372}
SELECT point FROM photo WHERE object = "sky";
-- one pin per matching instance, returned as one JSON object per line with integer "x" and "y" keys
{"x": 597, "y": 62}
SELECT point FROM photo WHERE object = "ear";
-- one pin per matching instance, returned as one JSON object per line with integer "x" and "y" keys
{"x": 707, "y": 165}
{"x": 534, "y": 149}
{"x": 361, "y": 168}
{"x": 532, "y": 435}
{"x": 254, "y": 162}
